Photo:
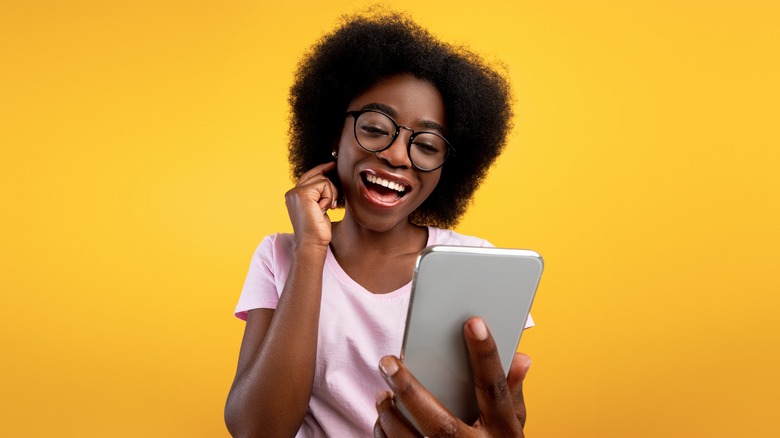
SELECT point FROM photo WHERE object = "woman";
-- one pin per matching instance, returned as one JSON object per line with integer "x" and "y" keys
{"x": 399, "y": 129}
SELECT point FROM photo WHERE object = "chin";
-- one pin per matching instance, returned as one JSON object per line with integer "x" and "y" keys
{"x": 377, "y": 221}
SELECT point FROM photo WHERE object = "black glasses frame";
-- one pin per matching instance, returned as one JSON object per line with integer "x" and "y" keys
{"x": 356, "y": 114}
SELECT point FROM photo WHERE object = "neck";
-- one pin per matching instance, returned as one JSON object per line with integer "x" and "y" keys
{"x": 403, "y": 238}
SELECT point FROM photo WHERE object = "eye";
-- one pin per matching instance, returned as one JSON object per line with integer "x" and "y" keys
{"x": 373, "y": 130}
{"x": 428, "y": 144}
{"x": 426, "y": 148}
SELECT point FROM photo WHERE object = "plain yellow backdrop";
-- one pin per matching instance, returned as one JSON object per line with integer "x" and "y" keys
{"x": 143, "y": 159}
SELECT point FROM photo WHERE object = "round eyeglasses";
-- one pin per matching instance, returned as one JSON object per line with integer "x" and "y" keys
{"x": 375, "y": 131}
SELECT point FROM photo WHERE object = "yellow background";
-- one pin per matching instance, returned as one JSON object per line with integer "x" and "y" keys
{"x": 143, "y": 159}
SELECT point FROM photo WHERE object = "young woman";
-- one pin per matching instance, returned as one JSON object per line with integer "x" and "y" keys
{"x": 398, "y": 128}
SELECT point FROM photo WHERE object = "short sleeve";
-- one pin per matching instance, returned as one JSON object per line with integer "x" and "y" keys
{"x": 261, "y": 287}
{"x": 529, "y": 322}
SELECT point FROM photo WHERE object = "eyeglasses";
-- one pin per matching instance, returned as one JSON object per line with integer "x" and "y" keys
{"x": 375, "y": 131}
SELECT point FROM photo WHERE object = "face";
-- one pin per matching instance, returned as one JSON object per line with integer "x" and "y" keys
{"x": 382, "y": 189}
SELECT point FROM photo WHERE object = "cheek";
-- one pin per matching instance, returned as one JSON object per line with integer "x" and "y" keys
{"x": 345, "y": 167}
{"x": 341, "y": 171}
{"x": 346, "y": 137}
{"x": 343, "y": 156}
{"x": 432, "y": 180}
{"x": 343, "y": 142}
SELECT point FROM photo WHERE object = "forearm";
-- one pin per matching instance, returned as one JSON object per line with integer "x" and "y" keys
{"x": 272, "y": 389}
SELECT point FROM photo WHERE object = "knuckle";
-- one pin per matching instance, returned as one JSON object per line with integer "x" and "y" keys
{"x": 489, "y": 354}
{"x": 445, "y": 426}
{"x": 405, "y": 389}
{"x": 291, "y": 196}
{"x": 495, "y": 390}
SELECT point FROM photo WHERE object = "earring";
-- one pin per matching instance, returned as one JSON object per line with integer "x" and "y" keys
{"x": 335, "y": 154}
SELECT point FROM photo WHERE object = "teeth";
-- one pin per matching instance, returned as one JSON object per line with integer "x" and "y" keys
{"x": 385, "y": 183}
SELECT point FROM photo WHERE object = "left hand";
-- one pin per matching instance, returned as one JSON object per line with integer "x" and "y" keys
{"x": 500, "y": 398}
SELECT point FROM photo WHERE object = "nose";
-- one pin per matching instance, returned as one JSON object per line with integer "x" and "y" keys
{"x": 397, "y": 155}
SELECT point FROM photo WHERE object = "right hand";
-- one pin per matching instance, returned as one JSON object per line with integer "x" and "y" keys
{"x": 307, "y": 205}
{"x": 499, "y": 397}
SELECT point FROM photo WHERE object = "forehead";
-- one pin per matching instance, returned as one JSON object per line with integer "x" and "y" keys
{"x": 408, "y": 99}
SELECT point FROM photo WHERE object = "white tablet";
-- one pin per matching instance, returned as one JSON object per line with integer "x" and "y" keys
{"x": 452, "y": 284}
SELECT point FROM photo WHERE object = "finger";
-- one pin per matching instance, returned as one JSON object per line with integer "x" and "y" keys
{"x": 378, "y": 432}
{"x": 493, "y": 396}
{"x": 318, "y": 188}
{"x": 315, "y": 177}
{"x": 327, "y": 195}
{"x": 517, "y": 372}
{"x": 316, "y": 170}
{"x": 431, "y": 417}
{"x": 391, "y": 422}
{"x": 334, "y": 194}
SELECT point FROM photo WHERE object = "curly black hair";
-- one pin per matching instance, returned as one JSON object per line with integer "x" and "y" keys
{"x": 367, "y": 48}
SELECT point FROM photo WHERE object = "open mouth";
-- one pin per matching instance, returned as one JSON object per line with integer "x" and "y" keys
{"x": 384, "y": 190}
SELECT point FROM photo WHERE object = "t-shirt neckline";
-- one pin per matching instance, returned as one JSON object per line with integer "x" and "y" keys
{"x": 344, "y": 278}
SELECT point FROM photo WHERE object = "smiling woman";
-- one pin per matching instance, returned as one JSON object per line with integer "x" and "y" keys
{"x": 326, "y": 305}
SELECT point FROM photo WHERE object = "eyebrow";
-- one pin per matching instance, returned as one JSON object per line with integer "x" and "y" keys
{"x": 390, "y": 111}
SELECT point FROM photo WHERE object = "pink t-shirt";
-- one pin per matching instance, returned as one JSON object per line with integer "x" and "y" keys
{"x": 357, "y": 328}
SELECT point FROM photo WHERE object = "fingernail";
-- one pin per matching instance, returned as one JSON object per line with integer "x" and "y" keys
{"x": 382, "y": 396}
{"x": 479, "y": 329}
{"x": 388, "y": 366}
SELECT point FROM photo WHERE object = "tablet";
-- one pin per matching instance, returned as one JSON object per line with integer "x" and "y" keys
{"x": 452, "y": 284}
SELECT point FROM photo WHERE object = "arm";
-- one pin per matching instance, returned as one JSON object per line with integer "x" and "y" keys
{"x": 500, "y": 398}
{"x": 275, "y": 374}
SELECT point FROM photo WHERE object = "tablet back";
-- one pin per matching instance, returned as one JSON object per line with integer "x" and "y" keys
{"x": 451, "y": 285}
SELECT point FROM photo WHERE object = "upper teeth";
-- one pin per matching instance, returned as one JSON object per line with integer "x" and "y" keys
{"x": 383, "y": 182}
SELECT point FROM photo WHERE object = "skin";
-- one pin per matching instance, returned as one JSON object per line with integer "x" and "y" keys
{"x": 275, "y": 373}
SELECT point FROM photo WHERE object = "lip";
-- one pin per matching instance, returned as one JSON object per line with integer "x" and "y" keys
{"x": 398, "y": 179}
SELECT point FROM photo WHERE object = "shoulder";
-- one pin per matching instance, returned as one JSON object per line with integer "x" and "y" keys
{"x": 273, "y": 254}
{"x": 267, "y": 274}
{"x": 439, "y": 236}
{"x": 275, "y": 243}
